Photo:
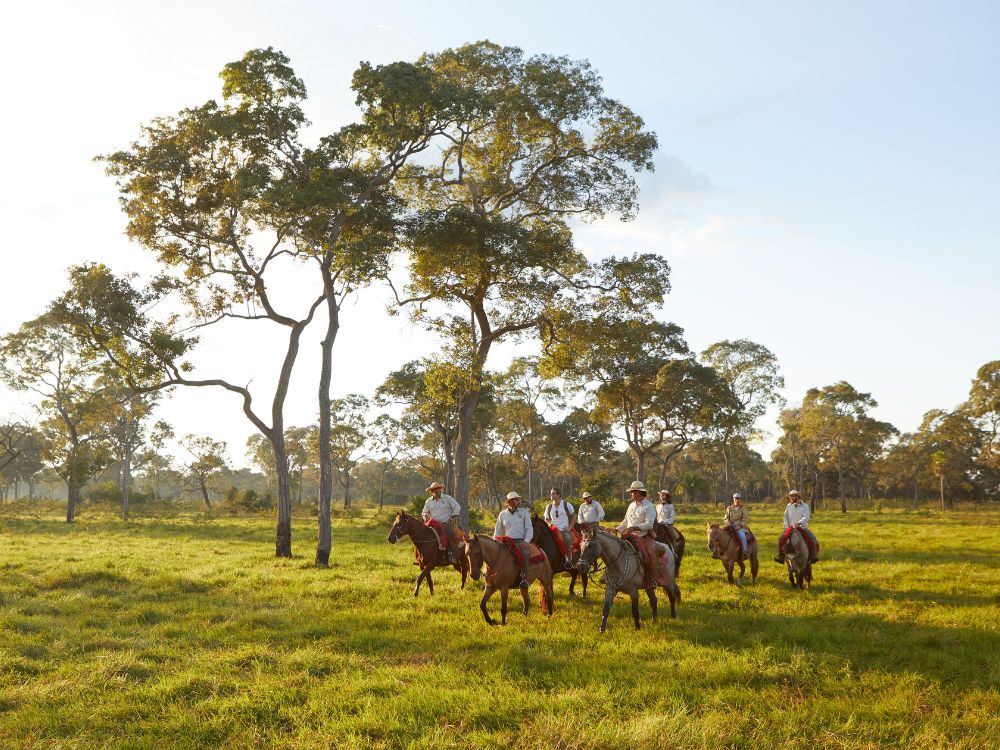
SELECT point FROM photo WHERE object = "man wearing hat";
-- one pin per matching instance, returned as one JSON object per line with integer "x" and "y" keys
{"x": 441, "y": 514}
{"x": 559, "y": 516}
{"x": 738, "y": 519}
{"x": 665, "y": 513}
{"x": 797, "y": 517}
{"x": 638, "y": 524}
{"x": 590, "y": 512}
{"x": 514, "y": 522}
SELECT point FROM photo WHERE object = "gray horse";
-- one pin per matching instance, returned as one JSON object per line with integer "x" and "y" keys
{"x": 797, "y": 560}
{"x": 623, "y": 572}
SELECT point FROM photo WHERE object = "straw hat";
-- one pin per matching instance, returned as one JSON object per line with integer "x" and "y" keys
{"x": 793, "y": 492}
{"x": 585, "y": 496}
{"x": 637, "y": 487}
{"x": 513, "y": 496}
{"x": 434, "y": 486}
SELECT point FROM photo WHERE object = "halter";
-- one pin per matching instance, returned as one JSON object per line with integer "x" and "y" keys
{"x": 627, "y": 571}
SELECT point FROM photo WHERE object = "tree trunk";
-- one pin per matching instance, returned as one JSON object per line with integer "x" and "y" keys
{"x": 941, "y": 487}
{"x": 725, "y": 456}
{"x": 72, "y": 499}
{"x": 840, "y": 478}
{"x": 463, "y": 440}
{"x": 531, "y": 481}
{"x": 204, "y": 493}
{"x": 381, "y": 486}
{"x": 916, "y": 491}
{"x": 347, "y": 487}
{"x": 126, "y": 476}
{"x": 324, "y": 533}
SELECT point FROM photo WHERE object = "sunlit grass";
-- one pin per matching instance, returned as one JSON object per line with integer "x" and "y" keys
{"x": 184, "y": 632}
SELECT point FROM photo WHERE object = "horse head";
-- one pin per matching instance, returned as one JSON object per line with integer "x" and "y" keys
{"x": 713, "y": 532}
{"x": 590, "y": 550}
{"x": 400, "y": 526}
{"x": 474, "y": 552}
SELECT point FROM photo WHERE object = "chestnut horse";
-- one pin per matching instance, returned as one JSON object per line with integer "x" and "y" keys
{"x": 425, "y": 549}
{"x": 723, "y": 546}
{"x": 624, "y": 572}
{"x": 663, "y": 535}
{"x": 797, "y": 560}
{"x": 542, "y": 535}
{"x": 503, "y": 572}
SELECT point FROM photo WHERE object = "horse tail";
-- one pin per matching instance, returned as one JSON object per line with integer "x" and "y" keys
{"x": 545, "y": 602}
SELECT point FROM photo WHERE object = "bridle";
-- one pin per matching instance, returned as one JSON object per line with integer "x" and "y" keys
{"x": 627, "y": 572}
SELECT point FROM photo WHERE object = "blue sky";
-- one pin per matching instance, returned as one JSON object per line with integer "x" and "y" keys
{"x": 826, "y": 183}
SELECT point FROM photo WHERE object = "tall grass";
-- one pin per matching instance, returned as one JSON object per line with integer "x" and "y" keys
{"x": 184, "y": 632}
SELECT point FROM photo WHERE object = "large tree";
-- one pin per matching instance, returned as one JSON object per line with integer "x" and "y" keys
{"x": 750, "y": 370}
{"x": 492, "y": 255}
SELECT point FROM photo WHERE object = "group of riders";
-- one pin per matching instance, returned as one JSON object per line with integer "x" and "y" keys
{"x": 514, "y": 525}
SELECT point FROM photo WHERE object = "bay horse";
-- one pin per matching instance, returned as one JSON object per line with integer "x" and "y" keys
{"x": 624, "y": 572}
{"x": 724, "y": 546}
{"x": 426, "y": 551}
{"x": 797, "y": 560}
{"x": 542, "y": 535}
{"x": 502, "y": 574}
{"x": 663, "y": 535}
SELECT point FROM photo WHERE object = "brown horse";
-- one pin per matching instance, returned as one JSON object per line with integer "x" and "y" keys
{"x": 542, "y": 536}
{"x": 624, "y": 572}
{"x": 797, "y": 560}
{"x": 502, "y": 574}
{"x": 425, "y": 549}
{"x": 662, "y": 532}
{"x": 723, "y": 546}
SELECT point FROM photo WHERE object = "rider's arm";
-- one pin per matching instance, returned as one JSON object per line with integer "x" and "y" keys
{"x": 600, "y": 511}
{"x": 528, "y": 531}
{"x": 498, "y": 529}
{"x": 426, "y": 512}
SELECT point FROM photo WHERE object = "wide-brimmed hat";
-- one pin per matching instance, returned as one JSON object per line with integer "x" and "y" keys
{"x": 664, "y": 492}
{"x": 513, "y": 496}
{"x": 737, "y": 496}
{"x": 585, "y": 496}
{"x": 793, "y": 492}
{"x": 637, "y": 487}
{"x": 434, "y": 486}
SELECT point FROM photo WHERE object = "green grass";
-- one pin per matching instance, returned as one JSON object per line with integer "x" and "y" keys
{"x": 183, "y": 632}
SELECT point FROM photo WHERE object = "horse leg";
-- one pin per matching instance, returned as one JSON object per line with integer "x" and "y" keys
{"x": 584, "y": 577}
{"x": 634, "y": 596}
{"x": 526, "y": 599}
{"x": 673, "y": 594}
{"x": 464, "y": 570}
{"x": 754, "y": 567}
{"x": 430, "y": 581}
{"x": 487, "y": 593}
{"x": 729, "y": 571}
{"x": 809, "y": 575}
{"x": 651, "y": 593}
{"x": 743, "y": 570}
{"x": 503, "y": 605}
{"x": 420, "y": 579}
{"x": 609, "y": 597}
{"x": 791, "y": 576}
{"x": 572, "y": 581}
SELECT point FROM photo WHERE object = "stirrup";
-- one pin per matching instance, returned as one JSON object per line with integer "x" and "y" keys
{"x": 523, "y": 583}
{"x": 779, "y": 559}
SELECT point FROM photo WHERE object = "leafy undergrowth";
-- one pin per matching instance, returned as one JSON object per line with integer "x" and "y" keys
{"x": 184, "y": 632}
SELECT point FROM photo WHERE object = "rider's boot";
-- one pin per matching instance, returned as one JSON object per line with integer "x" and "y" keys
{"x": 523, "y": 583}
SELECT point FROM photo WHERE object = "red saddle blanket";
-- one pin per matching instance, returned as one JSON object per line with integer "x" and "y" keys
{"x": 751, "y": 539}
{"x": 561, "y": 543}
{"x": 811, "y": 542}
{"x": 438, "y": 529}
{"x": 537, "y": 555}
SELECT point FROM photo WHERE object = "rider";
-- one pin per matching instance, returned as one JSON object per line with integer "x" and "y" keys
{"x": 441, "y": 513}
{"x": 514, "y": 522}
{"x": 639, "y": 520}
{"x": 797, "y": 517}
{"x": 665, "y": 514}
{"x": 590, "y": 512}
{"x": 738, "y": 519}
{"x": 559, "y": 513}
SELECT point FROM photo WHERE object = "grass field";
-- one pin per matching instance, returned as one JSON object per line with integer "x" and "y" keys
{"x": 183, "y": 632}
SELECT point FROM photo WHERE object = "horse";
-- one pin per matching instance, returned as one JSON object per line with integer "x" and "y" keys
{"x": 624, "y": 572}
{"x": 797, "y": 560}
{"x": 662, "y": 532}
{"x": 426, "y": 549}
{"x": 502, "y": 573}
{"x": 723, "y": 546}
{"x": 542, "y": 536}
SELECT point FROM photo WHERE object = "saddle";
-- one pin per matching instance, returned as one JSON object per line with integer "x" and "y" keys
{"x": 751, "y": 539}
{"x": 537, "y": 555}
{"x": 561, "y": 543}
{"x": 647, "y": 557}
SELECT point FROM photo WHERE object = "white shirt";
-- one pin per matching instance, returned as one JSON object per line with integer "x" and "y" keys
{"x": 592, "y": 512}
{"x": 665, "y": 513}
{"x": 558, "y": 515}
{"x": 441, "y": 510}
{"x": 641, "y": 515}
{"x": 797, "y": 515}
{"x": 516, "y": 525}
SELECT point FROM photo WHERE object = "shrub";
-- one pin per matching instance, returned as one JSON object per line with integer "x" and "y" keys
{"x": 246, "y": 500}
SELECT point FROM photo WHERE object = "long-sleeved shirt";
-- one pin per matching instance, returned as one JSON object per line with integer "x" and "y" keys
{"x": 665, "y": 513}
{"x": 558, "y": 514}
{"x": 516, "y": 525}
{"x": 641, "y": 515}
{"x": 737, "y": 517}
{"x": 592, "y": 512}
{"x": 441, "y": 510}
{"x": 797, "y": 515}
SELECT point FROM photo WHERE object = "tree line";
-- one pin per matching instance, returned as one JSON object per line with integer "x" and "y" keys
{"x": 464, "y": 170}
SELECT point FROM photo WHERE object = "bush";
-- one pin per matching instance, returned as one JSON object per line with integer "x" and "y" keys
{"x": 106, "y": 493}
{"x": 246, "y": 501}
